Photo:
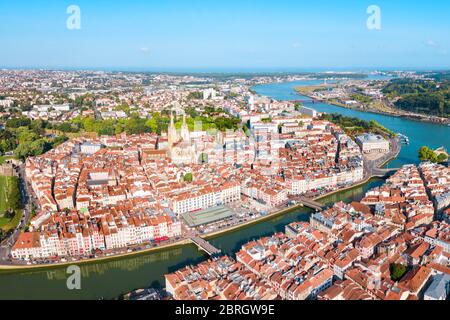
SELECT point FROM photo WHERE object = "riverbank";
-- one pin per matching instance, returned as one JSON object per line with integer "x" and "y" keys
{"x": 293, "y": 208}
{"x": 185, "y": 242}
{"x": 261, "y": 219}
{"x": 109, "y": 278}
{"x": 408, "y": 116}
{"x": 19, "y": 268}
{"x": 181, "y": 243}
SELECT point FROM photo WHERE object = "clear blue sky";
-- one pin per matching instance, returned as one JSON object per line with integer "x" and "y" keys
{"x": 216, "y": 34}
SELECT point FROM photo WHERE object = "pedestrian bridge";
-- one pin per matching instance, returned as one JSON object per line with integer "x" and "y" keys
{"x": 305, "y": 101}
{"x": 207, "y": 247}
{"x": 312, "y": 204}
{"x": 383, "y": 172}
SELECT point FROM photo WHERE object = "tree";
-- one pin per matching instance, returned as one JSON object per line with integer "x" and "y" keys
{"x": 397, "y": 271}
{"x": 423, "y": 153}
{"x": 18, "y": 122}
{"x": 196, "y": 95}
{"x": 59, "y": 140}
{"x": 136, "y": 125}
{"x": 354, "y": 126}
{"x": 123, "y": 107}
{"x": 298, "y": 106}
{"x": 441, "y": 158}
{"x": 191, "y": 112}
{"x": 8, "y": 141}
{"x": 152, "y": 124}
{"x": 33, "y": 148}
{"x": 188, "y": 177}
{"x": 25, "y": 135}
{"x": 67, "y": 127}
{"x": 203, "y": 158}
{"x": 9, "y": 214}
{"x": 426, "y": 154}
{"x": 421, "y": 96}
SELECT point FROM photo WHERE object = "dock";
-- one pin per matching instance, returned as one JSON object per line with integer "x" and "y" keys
{"x": 205, "y": 246}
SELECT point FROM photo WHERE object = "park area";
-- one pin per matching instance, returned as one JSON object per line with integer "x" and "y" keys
{"x": 9, "y": 200}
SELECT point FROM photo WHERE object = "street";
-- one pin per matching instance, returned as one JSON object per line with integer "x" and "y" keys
{"x": 373, "y": 167}
{"x": 7, "y": 244}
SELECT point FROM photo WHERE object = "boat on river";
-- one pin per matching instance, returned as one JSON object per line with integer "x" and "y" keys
{"x": 403, "y": 139}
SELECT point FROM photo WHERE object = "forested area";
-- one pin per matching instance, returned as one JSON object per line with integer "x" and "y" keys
{"x": 420, "y": 96}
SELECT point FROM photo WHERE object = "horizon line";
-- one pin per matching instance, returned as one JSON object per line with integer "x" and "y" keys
{"x": 225, "y": 69}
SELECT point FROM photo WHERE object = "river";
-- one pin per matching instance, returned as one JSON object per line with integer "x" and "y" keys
{"x": 107, "y": 280}
{"x": 419, "y": 133}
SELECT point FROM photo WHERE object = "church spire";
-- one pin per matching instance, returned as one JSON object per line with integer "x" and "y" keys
{"x": 171, "y": 119}
{"x": 185, "y": 135}
{"x": 172, "y": 134}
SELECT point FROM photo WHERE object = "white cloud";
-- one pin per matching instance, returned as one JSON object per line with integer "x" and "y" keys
{"x": 296, "y": 45}
{"x": 436, "y": 46}
{"x": 431, "y": 43}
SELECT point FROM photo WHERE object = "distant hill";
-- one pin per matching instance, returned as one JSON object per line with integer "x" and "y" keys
{"x": 420, "y": 96}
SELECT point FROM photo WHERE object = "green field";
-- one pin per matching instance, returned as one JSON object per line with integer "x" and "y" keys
{"x": 9, "y": 199}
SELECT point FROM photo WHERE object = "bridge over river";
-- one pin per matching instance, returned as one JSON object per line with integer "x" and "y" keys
{"x": 303, "y": 101}
{"x": 379, "y": 172}
{"x": 207, "y": 247}
{"x": 312, "y": 204}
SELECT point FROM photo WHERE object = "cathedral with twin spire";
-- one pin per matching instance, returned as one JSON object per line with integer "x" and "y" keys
{"x": 181, "y": 150}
